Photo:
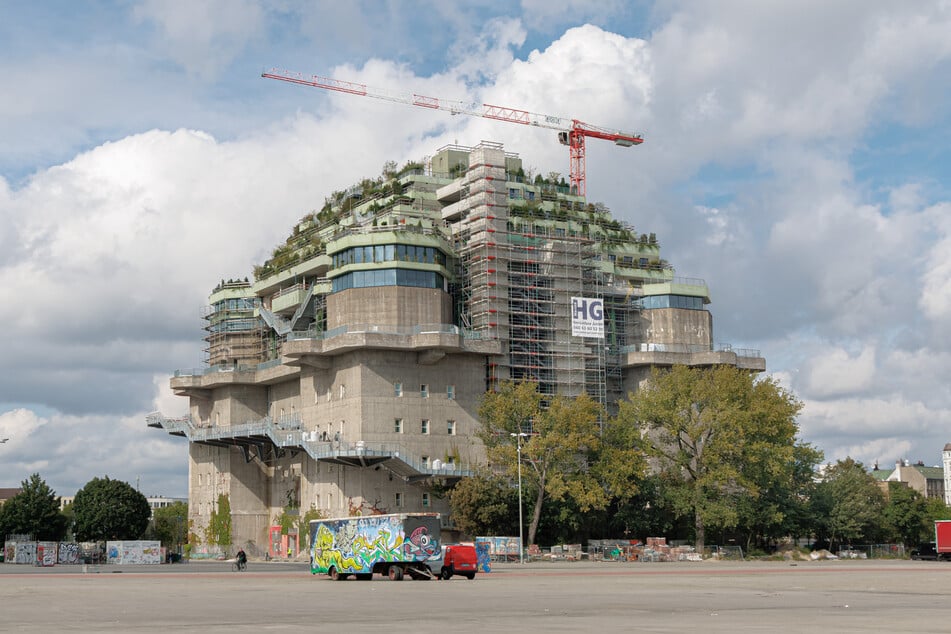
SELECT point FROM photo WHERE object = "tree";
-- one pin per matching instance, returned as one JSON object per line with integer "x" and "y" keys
{"x": 782, "y": 507}
{"x": 33, "y": 511}
{"x": 484, "y": 504}
{"x": 717, "y": 435}
{"x": 851, "y": 501}
{"x": 170, "y": 524}
{"x": 905, "y": 514}
{"x": 218, "y": 531}
{"x": 108, "y": 509}
{"x": 560, "y": 444}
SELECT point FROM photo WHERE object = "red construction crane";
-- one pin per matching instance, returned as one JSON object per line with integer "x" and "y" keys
{"x": 571, "y": 132}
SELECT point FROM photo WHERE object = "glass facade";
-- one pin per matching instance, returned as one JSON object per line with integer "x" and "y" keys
{"x": 672, "y": 301}
{"x": 389, "y": 253}
{"x": 388, "y": 277}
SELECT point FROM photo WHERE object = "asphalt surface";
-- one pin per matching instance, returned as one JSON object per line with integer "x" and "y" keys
{"x": 825, "y": 596}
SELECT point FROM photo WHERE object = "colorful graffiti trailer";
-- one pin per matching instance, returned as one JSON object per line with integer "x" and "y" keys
{"x": 394, "y": 545}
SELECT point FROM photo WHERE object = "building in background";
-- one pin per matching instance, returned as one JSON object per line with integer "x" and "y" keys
{"x": 347, "y": 376}
{"x": 928, "y": 481}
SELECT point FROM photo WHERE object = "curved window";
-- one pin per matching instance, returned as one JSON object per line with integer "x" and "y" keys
{"x": 389, "y": 253}
{"x": 388, "y": 277}
{"x": 672, "y": 301}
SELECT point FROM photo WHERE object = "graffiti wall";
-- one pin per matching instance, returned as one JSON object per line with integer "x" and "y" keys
{"x": 24, "y": 553}
{"x": 501, "y": 548}
{"x": 46, "y": 553}
{"x": 134, "y": 552}
{"x": 354, "y": 545}
{"x": 68, "y": 553}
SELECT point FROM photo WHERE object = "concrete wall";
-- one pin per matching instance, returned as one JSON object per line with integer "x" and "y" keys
{"x": 389, "y": 306}
{"x": 677, "y": 326}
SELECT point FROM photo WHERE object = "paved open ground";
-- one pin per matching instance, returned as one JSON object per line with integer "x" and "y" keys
{"x": 697, "y": 597}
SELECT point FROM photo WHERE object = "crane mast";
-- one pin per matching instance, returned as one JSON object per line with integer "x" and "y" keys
{"x": 571, "y": 132}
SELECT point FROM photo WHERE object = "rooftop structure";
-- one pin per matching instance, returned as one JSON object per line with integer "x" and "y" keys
{"x": 347, "y": 376}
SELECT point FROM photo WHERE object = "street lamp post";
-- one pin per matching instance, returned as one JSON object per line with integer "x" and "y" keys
{"x": 518, "y": 450}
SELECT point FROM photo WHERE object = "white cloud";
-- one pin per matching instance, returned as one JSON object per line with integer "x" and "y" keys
{"x": 202, "y": 36}
{"x": 837, "y": 373}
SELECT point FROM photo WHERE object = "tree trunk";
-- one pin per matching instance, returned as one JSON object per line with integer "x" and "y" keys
{"x": 698, "y": 526}
{"x": 536, "y": 515}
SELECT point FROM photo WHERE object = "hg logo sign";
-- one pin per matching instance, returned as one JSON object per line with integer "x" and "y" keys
{"x": 587, "y": 317}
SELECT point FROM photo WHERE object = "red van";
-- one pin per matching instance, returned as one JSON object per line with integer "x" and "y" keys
{"x": 459, "y": 559}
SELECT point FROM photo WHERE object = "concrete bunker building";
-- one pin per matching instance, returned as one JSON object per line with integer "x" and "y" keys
{"x": 347, "y": 376}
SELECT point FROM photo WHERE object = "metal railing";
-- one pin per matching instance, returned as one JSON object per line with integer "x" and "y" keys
{"x": 285, "y": 431}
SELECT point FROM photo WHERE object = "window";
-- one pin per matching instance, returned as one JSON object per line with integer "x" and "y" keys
{"x": 424, "y": 426}
{"x": 424, "y": 391}
{"x": 425, "y": 499}
{"x": 450, "y": 392}
{"x": 425, "y": 461}
{"x": 451, "y": 427}
{"x": 398, "y": 389}
{"x": 398, "y": 425}
{"x": 399, "y": 500}
{"x": 343, "y": 390}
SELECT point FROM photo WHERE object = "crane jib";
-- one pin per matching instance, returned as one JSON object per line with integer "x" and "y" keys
{"x": 571, "y": 134}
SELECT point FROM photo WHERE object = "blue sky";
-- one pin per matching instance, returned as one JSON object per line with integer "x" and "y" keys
{"x": 795, "y": 158}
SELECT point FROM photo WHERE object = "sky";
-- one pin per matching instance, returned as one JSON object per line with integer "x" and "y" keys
{"x": 796, "y": 157}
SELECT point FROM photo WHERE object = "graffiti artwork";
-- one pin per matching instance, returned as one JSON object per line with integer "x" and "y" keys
{"x": 501, "y": 548}
{"x": 134, "y": 552}
{"x": 68, "y": 553}
{"x": 46, "y": 553}
{"x": 482, "y": 556}
{"x": 356, "y": 544}
{"x": 25, "y": 553}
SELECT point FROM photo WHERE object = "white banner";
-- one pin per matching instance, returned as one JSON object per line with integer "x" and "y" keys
{"x": 587, "y": 317}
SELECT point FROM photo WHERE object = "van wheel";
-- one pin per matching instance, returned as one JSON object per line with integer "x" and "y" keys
{"x": 395, "y": 573}
{"x": 470, "y": 576}
{"x": 446, "y": 573}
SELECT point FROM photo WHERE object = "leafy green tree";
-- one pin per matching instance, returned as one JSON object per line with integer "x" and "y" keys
{"x": 905, "y": 514}
{"x": 218, "y": 531}
{"x": 935, "y": 509}
{"x": 170, "y": 524}
{"x": 782, "y": 507}
{"x": 303, "y": 527}
{"x": 106, "y": 509}
{"x": 851, "y": 501}
{"x": 485, "y": 504}
{"x": 33, "y": 511}
{"x": 718, "y": 435}
{"x": 561, "y": 443}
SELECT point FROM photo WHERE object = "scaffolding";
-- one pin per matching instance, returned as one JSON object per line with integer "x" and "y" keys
{"x": 235, "y": 336}
{"x": 516, "y": 282}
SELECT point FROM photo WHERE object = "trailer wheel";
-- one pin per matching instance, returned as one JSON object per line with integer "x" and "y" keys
{"x": 446, "y": 573}
{"x": 335, "y": 574}
{"x": 395, "y": 573}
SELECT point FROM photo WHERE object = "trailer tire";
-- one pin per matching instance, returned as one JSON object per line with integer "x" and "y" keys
{"x": 446, "y": 573}
{"x": 335, "y": 574}
{"x": 395, "y": 573}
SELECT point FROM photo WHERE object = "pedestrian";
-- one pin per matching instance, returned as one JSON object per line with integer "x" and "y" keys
{"x": 290, "y": 552}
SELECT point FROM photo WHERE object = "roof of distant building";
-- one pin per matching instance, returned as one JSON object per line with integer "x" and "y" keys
{"x": 6, "y": 494}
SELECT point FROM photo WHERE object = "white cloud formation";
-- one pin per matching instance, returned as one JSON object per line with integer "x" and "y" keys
{"x": 837, "y": 373}
{"x": 203, "y": 36}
